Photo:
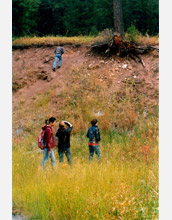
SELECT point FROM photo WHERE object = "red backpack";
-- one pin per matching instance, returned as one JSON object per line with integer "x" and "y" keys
{"x": 40, "y": 138}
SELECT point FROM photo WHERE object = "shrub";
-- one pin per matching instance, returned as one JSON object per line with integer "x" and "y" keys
{"x": 132, "y": 33}
{"x": 94, "y": 31}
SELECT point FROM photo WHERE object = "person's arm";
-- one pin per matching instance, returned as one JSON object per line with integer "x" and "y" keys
{"x": 48, "y": 137}
{"x": 87, "y": 134}
{"x": 57, "y": 137}
{"x": 57, "y": 133}
{"x": 70, "y": 126}
{"x": 62, "y": 51}
{"x": 98, "y": 134}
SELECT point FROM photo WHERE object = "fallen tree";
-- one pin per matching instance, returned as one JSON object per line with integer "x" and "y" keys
{"x": 122, "y": 48}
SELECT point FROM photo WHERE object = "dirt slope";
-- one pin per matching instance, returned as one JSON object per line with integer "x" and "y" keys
{"x": 30, "y": 66}
{"x": 32, "y": 72}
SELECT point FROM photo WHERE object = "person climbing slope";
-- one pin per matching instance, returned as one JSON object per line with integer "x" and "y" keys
{"x": 58, "y": 55}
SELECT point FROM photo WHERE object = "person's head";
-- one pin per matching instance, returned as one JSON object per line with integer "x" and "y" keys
{"x": 52, "y": 121}
{"x": 94, "y": 122}
{"x": 61, "y": 125}
{"x": 61, "y": 44}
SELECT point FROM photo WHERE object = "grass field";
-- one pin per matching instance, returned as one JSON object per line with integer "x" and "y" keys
{"x": 123, "y": 186}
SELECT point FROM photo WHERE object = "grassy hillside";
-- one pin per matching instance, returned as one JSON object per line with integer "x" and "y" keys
{"x": 124, "y": 185}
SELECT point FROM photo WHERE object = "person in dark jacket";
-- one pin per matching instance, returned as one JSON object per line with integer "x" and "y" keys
{"x": 63, "y": 134}
{"x": 49, "y": 142}
{"x": 93, "y": 134}
{"x": 58, "y": 55}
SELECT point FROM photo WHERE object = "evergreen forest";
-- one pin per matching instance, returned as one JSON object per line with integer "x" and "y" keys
{"x": 80, "y": 17}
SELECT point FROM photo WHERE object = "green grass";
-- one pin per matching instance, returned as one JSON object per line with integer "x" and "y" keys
{"x": 124, "y": 185}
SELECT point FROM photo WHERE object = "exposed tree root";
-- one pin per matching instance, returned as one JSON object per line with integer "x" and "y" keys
{"x": 122, "y": 48}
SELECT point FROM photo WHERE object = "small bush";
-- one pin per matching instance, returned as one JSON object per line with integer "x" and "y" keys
{"x": 132, "y": 33}
{"x": 94, "y": 31}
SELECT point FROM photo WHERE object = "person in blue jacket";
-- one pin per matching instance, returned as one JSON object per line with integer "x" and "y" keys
{"x": 93, "y": 134}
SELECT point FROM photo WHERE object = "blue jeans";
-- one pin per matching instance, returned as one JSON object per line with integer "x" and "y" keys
{"x": 45, "y": 159}
{"x": 93, "y": 149}
{"x": 67, "y": 152}
{"x": 57, "y": 56}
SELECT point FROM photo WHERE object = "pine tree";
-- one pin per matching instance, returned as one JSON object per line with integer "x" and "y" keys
{"x": 118, "y": 17}
{"x": 24, "y": 16}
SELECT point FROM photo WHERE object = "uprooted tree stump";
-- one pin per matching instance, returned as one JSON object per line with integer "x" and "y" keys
{"x": 121, "y": 48}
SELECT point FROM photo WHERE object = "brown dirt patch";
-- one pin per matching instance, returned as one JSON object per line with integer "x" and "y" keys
{"x": 32, "y": 71}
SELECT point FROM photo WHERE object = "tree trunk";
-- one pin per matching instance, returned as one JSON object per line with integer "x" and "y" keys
{"x": 118, "y": 18}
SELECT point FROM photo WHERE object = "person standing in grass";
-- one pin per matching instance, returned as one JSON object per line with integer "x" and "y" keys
{"x": 63, "y": 134}
{"x": 49, "y": 142}
{"x": 58, "y": 55}
{"x": 93, "y": 134}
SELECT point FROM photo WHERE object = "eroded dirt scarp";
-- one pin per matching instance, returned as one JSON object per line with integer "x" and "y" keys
{"x": 33, "y": 75}
{"x": 32, "y": 69}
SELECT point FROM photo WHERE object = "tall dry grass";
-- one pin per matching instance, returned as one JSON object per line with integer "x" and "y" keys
{"x": 122, "y": 186}
{"x": 106, "y": 35}
{"x": 52, "y": 40}
{"x": 147, "y": 40}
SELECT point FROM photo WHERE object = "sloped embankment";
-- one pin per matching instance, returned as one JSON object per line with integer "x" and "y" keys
{"x": 101, "y": 83}
{"x": 123, "y": 95}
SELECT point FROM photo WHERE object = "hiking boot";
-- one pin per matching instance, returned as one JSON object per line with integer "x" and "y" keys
{"x": 58, "y": 67}
{"x": 54, "y": 69}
